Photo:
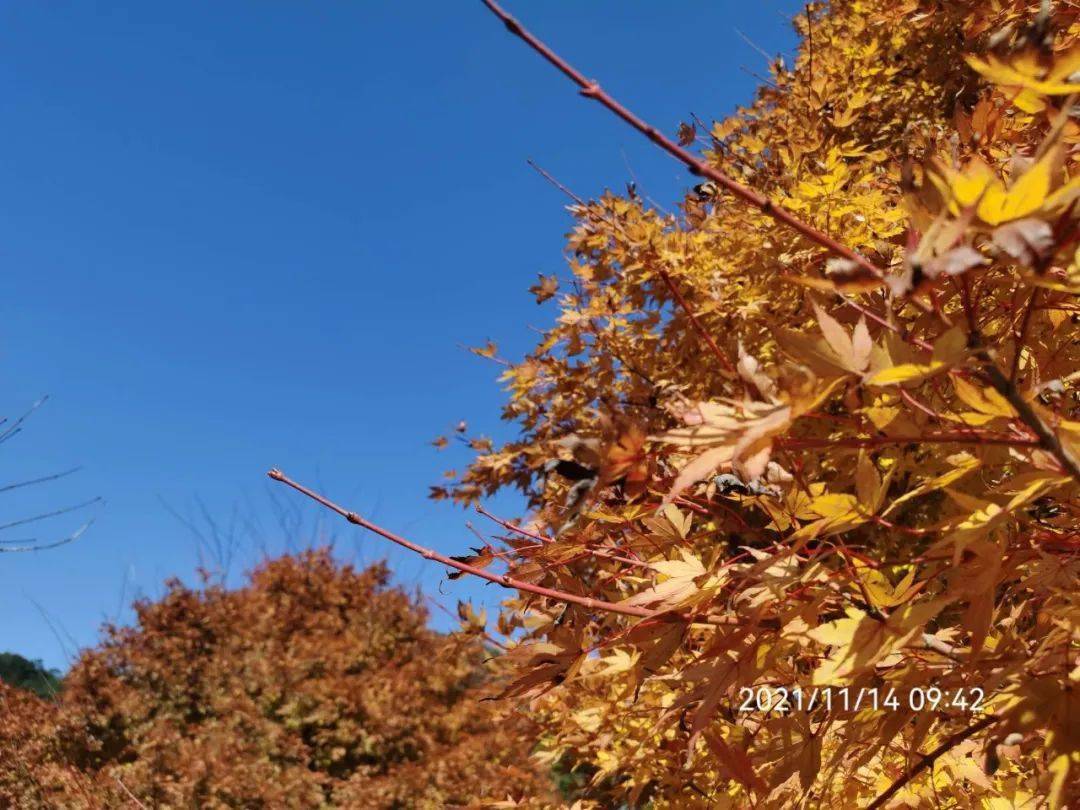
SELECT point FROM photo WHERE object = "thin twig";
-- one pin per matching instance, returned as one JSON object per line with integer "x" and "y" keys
{"x": 759, "y": 77}
{"x": 44, "y": 515}
{"x": 42, "y": 480}
{"x": 943, "y": 437}
{"x": 494, "y": 641}
{"x": 16, "y": 426}
{"x": 1043, "y": 263}
{"x": 71, "y": 538}
{"x": 513, "y": 527}
{"x": 584, "y": 551}
{"x": 1021, "y": 337}
{"x": 701, "y": 330}
{"x": 754, "y": 45}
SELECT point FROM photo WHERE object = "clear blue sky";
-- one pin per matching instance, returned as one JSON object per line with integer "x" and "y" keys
{"x": 255, "y": 233}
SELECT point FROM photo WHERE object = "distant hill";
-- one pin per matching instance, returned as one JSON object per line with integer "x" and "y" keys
{"x": 29, "y": 675}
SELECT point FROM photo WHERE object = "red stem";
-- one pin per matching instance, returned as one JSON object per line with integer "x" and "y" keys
{"x": 503, "y": 580}
{"x": 513, "y": 527}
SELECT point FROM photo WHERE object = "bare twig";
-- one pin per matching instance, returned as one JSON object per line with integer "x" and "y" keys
{"x": 540, "y": 170}
{"x": 16, "y": 426}
{"x": 754, "y": 45}
{"x": 513, "y": 527}
{"x": 44, "y": 515}
{"x": 941, "y": 437}
{"x": 42, "y": 480}
{"x": 759, "y": 77}
{"x": 585, "y": 552}
{"x": 698, "y": 327}
{"x": 71, "y": 538}
{"x": 490, "y": 638}
{"x": 54, "y": 630}
{"x": 1021, "y": 336}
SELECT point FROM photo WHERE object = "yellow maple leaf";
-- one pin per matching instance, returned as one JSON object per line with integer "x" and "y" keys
{"x": 860, "y": 640}
{"x": 949, "y": 350}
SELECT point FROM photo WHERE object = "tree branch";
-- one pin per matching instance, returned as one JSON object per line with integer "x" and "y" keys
{"x": 701, "y": 330}
{"x": 929, "y": 759}
{"x": 592, "y": 90}
{"x": 44, "y": 515}
{"x": 585, "y": 551}
{"x": 503, "y": 580}
{"x": 17, "y": 424}
{"x": 42, "y": 480}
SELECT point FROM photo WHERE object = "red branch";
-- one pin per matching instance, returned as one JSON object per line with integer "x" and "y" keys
{"x": 503, "y": 580}
{"x": 591, "y": 89}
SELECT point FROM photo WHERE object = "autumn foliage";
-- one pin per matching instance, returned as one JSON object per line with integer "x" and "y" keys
{"x": 836, "y": 453}
{"x": 315, "y": 685}
{"x": 815, "y": 433}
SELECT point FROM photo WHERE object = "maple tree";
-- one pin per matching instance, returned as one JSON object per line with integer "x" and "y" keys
{"x": 315, "y": 685}
{"x": 819, "y": 427}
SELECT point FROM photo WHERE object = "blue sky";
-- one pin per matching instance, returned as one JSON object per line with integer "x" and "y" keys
{"x": 256, "y": 233}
